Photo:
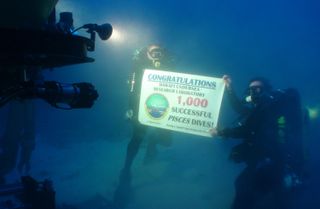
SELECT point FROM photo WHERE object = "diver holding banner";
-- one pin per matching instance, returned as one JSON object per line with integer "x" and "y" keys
{"x": 154, "y": 57}
{"x": 271, "y": 147}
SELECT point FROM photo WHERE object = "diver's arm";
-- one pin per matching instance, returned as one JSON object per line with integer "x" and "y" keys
{"x": 234, "y": 100}
{"x": 236, "y": 103}
{"x": 240, "y": 132}
{"x": 237, "y": 132}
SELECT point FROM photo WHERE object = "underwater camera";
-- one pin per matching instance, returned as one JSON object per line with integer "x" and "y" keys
{"x": 26, "y": 49}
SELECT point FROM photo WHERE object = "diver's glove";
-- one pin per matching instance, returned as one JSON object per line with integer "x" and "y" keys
{"x": 292, "y": 180}
{"x": 129, "y": 114}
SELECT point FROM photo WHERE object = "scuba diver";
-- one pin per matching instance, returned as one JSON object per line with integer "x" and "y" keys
{"x": 150, "y": 57}
{"x": 271, "y": 147}
{"x": 18, "y": 139}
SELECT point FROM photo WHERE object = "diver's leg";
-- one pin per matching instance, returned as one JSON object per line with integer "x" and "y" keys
{"x": 134, "y": 145}
{"x": 244, "y": 186}
{"x": 158, "y": 137}
{"x": 164, "y": 137}
{"x": 9, "y": 144}
{"x": 123, "y": 191}
{"x": 8, "y": 155}
{"x": 27, "y": 147}
{"x": 286, "y": 198}
{"x": 28, "y": 137}
{"x": 151, "y": 151}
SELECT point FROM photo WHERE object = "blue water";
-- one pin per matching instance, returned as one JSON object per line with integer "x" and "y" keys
{"x": 83, "y": 151}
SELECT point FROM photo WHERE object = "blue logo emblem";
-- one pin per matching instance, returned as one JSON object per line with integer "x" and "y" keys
{"x": 157, "y": 105}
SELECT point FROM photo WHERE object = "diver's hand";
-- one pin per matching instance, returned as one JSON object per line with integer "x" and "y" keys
{"x": 227, "y": 80}
{"x": 129, "y": 114}
{"x": 213, "y": 132}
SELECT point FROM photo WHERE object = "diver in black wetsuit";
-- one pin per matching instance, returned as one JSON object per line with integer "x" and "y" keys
{"x": 18, "y": 140}
{"x": 151, "y": 57}
{"x": 271, "y": 146}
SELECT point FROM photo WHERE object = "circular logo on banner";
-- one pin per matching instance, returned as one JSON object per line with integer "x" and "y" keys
{"x": 157, "y": 105}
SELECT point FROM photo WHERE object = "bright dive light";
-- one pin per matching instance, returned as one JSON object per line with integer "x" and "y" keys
{"x": 104, "y": 31}
{"x": 116, "y": 36}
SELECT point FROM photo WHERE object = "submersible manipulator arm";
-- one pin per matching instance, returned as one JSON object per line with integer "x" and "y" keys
{"x": 30, "y": 42}
{"x": 25, "y": 52}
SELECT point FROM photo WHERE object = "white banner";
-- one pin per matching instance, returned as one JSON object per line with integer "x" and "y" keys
{"x": 180, "y": 102}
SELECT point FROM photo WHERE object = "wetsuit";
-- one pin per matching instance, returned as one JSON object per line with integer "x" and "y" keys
{"x": 142, "y": 61}
{"x": 270, "y": 148}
